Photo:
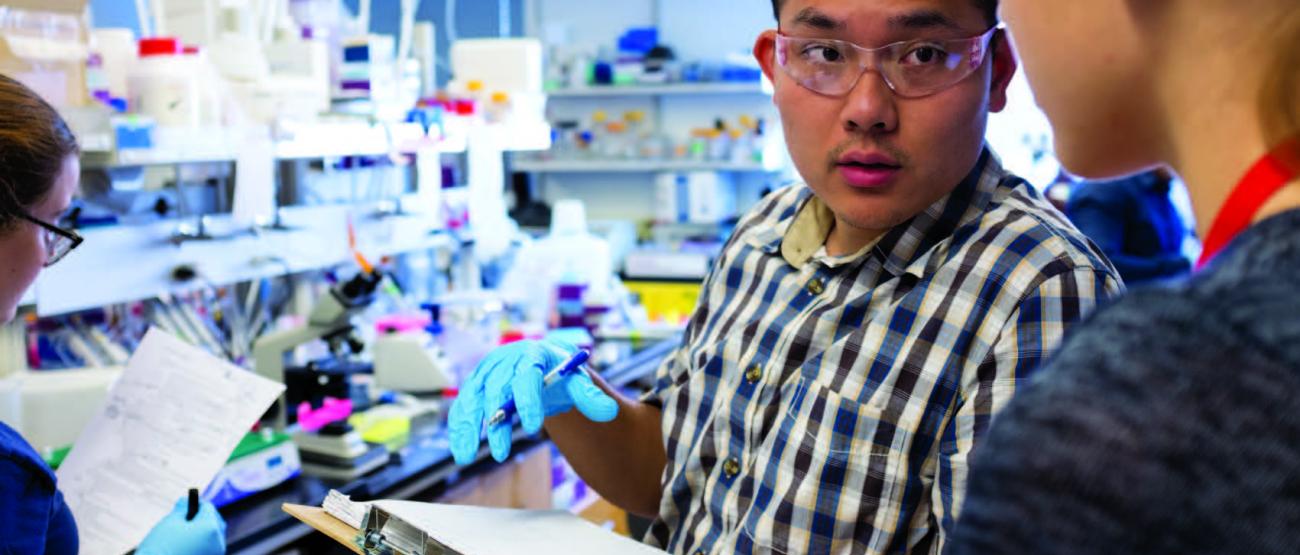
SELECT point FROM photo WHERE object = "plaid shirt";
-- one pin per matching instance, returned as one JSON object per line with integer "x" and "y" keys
{"x": 829, "y": 404}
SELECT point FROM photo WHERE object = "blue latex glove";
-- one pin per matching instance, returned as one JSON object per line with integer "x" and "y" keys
{"x": 517, "y": 369}
{"x": 173, "y": 535}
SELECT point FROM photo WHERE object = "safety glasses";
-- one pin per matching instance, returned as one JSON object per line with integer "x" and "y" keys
{"x": 58, "y": 241}
{"x": 912, "y": 69}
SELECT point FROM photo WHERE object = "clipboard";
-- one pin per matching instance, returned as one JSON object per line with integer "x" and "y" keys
{"x": 325, "y": 523}
{"x": 411, "y": 528}
{"x": 365, "y": 543}
{"x": 360, "y": 543}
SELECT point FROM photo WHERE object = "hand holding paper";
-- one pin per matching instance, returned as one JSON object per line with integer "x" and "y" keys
{"x": 168, "y": 424}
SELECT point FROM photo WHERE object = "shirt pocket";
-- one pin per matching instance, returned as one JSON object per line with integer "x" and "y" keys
{"x": 833, "y": 473}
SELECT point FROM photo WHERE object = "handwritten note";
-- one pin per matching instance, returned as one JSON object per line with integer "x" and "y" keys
{"x": 169, "y": 424}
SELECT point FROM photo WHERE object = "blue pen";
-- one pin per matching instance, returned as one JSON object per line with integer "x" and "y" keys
{"x": 570, "y": 366}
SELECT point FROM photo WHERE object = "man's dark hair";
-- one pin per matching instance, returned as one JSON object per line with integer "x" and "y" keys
{"x": 989, "y": 7}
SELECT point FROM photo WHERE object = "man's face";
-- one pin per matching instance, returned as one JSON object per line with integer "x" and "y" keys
{"x": 918, "y": 149}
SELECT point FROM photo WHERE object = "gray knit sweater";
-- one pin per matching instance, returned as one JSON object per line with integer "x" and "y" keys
{"x": 1168, "y": 424}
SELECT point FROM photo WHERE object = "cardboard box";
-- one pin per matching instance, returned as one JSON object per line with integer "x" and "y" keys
{"x": 604, "y": 514}
{"x": 52, "y": 65}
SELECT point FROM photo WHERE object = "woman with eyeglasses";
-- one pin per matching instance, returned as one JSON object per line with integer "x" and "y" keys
{"x": 39, "y": 171}
{"x": 1170, "y": 422}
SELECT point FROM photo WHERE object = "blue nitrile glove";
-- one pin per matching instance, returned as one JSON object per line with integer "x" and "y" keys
{"x": 517, "y": 369}
{"x": 173, "y": 535}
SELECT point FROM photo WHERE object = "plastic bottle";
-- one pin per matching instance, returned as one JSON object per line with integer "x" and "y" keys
{"x": 616, "y": 141}
{"x": 698, "y": 148}
{"x": 637, "y": 134}
{"x": 164, "y": 83}
{"x": 719, "y": 145}
{"x": 742, "y": 147}
{"x": 580, "y": 70}
{"x": 498, "y": 109}
{"x": 117, "y": 51}
{"x": 210, "y": 106}
{"x": 599, "y": 133}
{"x": 474, "y": 89}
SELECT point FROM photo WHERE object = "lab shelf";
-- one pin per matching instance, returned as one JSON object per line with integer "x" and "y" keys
{"x": 316, "y": 238}
{"x": 632, "y": 166}
{"x": 664, "y": 90}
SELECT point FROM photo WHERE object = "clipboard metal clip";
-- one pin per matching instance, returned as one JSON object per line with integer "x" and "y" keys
{"x": 384, "y": 534}
{"x": 372, "y": 543}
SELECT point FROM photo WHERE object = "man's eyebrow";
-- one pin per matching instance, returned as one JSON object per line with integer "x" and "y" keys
{"x": 922, "y": 19}
{"x": 811, "y": 17}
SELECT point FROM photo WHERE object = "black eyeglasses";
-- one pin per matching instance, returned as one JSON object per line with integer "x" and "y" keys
{"x": 58, "y": 241}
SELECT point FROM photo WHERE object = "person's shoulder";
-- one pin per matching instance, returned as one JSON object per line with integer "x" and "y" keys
{"x": 768, "y": 218}
{"x": 1021, "y": 231}
{"x": 1191, "y": 325}
{"x": 19, "y": 460}
{"x": 1114, "y": 192}
{"x": 780, "y": 204}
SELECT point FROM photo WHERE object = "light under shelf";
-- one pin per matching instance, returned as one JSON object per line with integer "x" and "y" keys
{"x": 631, "y": 166}
{"x": 314, "y": 140}
{"x": 753, "y": 88}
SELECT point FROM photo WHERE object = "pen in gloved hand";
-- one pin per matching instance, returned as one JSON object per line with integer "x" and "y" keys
{"x": 573, "y": 364}
{"x": 193, "y": 509}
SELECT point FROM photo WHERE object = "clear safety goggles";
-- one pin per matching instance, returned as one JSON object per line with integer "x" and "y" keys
{"x": 912, "y": 69}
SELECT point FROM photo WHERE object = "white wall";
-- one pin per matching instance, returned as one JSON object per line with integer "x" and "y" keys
{"x": 707, "y": 28}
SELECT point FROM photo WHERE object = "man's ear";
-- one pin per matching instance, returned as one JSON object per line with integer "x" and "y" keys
{"x": 765, "y": 53}
{"x": 1004, "y": 68}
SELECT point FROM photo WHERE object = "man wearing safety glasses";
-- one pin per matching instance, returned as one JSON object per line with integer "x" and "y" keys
{"x": 859, "y": 330}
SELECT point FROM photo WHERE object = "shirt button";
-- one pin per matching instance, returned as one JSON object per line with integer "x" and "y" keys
{"x": 816, "y": 287}
{"x": 754, "y": 374}
{"x": 731, "y": 467}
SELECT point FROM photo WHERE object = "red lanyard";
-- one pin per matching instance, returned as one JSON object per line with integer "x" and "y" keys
{"x": 1265, "y": 178}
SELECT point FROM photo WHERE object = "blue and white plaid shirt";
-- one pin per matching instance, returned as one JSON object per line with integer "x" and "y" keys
{"x": 825, "y": 404}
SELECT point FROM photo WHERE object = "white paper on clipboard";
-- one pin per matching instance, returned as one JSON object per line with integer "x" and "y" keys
{"x": 490, "y": 531}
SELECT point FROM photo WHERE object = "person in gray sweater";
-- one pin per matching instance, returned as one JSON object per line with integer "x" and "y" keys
{"x": 1169, "y": 422}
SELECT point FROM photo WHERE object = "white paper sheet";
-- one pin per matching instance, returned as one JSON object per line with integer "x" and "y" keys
{"x": 488, "y": 531}
{"x": 168, "y": 425}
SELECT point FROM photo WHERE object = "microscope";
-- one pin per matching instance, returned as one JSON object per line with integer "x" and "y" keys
{"x": 329, "y": 320}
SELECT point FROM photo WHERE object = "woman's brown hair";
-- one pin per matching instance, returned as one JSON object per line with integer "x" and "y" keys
{"x": 34, "y": 141}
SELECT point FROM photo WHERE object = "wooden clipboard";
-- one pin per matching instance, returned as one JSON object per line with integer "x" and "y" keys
{"x": 325, "y": 523}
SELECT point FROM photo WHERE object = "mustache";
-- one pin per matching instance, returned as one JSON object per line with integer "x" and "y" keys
{"x": 839, "y": 150}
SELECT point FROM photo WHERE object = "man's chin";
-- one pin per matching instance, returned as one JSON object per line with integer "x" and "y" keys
{"x": 866, "y": 216}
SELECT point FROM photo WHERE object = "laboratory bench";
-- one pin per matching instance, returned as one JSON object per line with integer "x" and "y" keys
{"x": 422, "y": 471}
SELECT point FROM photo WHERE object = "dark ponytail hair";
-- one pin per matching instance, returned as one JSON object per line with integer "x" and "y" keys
{"x": 34, "y": 141}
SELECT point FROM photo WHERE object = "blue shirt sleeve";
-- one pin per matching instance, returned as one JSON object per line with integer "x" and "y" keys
{"x": 1107, "y": 213}
{"x": 37, "y": 520}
